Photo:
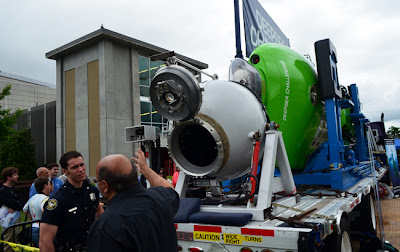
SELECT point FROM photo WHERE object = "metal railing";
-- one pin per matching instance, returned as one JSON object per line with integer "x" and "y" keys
{"x": 14, "y": 235}
{"x": 377, "y": 205}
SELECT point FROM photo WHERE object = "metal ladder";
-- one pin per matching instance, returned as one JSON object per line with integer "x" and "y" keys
{"x": 377, "y": 203}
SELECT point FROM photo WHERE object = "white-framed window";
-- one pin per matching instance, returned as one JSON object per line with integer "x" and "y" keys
{"x": 147, "y": 70}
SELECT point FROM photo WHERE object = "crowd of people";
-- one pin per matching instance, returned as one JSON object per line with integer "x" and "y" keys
{"x": 71, "y": 217}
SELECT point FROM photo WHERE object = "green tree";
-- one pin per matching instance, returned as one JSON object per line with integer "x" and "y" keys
{"x": 16, "y": 147}
{"x": 7, "y": 119}
{"x": 393, "y": 132}
{"x": 19, "y": 151}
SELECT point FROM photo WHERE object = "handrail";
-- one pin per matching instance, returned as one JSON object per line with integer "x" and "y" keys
{"x": 14, "y": 226}
{"x": 377, "y": 204}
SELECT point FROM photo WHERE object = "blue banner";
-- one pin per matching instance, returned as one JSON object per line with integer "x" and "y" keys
{"x": 392, "y": 162}
{"x": 259, "y": 28}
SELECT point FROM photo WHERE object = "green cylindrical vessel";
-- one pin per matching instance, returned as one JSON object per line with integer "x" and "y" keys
{"x": 289, "y": 93}
{"x": 347, "y": 126}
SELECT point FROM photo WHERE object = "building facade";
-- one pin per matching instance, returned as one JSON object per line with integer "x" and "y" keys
{"x": 25, "y": 93}
{"x": 103, "y": 82}
{"x": 37, "y": 99}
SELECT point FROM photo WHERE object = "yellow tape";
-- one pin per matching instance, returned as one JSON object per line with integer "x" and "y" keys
{"x": 19, "y": 247}
{"x": 148, "y": 113}
{"x": 143, "y": 71}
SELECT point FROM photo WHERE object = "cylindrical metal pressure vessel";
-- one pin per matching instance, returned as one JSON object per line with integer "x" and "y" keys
{"x": 218, "y": 141}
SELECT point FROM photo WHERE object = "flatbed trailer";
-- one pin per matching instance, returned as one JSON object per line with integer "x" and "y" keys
{"x": 278, "y": 235}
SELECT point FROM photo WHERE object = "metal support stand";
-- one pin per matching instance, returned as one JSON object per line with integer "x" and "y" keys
{"x": 274, "y": 151}
{"x": 335, "y": 141}
{"x": 181, "y": 185}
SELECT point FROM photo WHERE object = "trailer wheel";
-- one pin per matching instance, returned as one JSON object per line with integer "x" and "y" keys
{"x": 373, "y": 216}
{"x": 362, "y": 218}
{"x": 339, "y": 242}
{"x": 368, "y": 219}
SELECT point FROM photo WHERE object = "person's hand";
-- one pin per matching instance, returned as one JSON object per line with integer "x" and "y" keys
{"x": 99, "y": 210}
{"x": 140, "y": 160}
{"x": 149, "y": 174}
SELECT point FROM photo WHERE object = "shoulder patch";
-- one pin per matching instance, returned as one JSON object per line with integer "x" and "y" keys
{"x": 51, "y": 204}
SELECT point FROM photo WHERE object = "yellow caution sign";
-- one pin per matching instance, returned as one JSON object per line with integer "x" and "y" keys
{"x": 252, "y": 239}
{"x": 19, "y": 247}
{"x": 233, "y": 238}
{"x": 207, "y": 236}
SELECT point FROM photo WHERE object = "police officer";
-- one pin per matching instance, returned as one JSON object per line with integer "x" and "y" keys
{"x": 68, "y": 216}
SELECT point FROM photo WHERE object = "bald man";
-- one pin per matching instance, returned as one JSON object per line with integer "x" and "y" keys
{"x": 136, "y": 219}
{"x": 41, "y": 172}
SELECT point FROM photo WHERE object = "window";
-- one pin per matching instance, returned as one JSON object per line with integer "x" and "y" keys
{"x": 145, "y": 112}
{"x": 147, "y": 70}
{"x": 144, "y": 76}
{"x": 150, "y": 116}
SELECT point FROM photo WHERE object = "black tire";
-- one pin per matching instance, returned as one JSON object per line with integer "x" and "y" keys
{"x": 340, "y": 240}
{"x": 371, "y": 219}
{"x": 362, "y": 218}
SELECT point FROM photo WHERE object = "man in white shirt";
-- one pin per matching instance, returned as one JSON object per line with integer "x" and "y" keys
{"x": 35, "y": 205}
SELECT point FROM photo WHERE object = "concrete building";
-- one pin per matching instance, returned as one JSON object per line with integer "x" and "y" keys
{"x": 103, "y": 82}
{"x": 25, "y": 93}
{"x": 37, "y": 98}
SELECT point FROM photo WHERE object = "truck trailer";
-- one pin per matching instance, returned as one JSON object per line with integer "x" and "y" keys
{"x": 277, "y": 158}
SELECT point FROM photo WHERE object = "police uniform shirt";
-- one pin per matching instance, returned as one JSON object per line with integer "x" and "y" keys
{"x": 137, "y": 220}
{"x": 73, "y": 211}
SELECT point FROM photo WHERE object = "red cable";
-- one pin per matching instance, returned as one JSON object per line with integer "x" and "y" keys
{"x": 254, "y": 166}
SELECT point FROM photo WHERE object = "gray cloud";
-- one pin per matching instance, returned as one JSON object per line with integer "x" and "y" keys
{"x": 364, "y": 33}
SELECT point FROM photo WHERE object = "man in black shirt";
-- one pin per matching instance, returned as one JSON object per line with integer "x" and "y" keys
{"x": 68, "y": 216}
{"x": 10, "y": 199}
{"x": 136, "y": 218}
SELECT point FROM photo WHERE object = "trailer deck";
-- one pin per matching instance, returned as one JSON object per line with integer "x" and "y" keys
{"x": 277, "y": 234}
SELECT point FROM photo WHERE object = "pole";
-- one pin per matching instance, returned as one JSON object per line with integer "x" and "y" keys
{"x": 237, "y": 31}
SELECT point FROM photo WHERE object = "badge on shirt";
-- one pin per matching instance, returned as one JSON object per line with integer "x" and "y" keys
{"x": 52, "y": 204}
{"x": 93, "y": 196}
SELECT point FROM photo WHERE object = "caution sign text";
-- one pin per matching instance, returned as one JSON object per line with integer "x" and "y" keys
{"x": 206, "y": 236}
{"x": 251, "y": 239}
{"x": 233, "y": 238}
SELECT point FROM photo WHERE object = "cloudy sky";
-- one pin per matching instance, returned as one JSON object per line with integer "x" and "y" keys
{"x": 365, "y": 33}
